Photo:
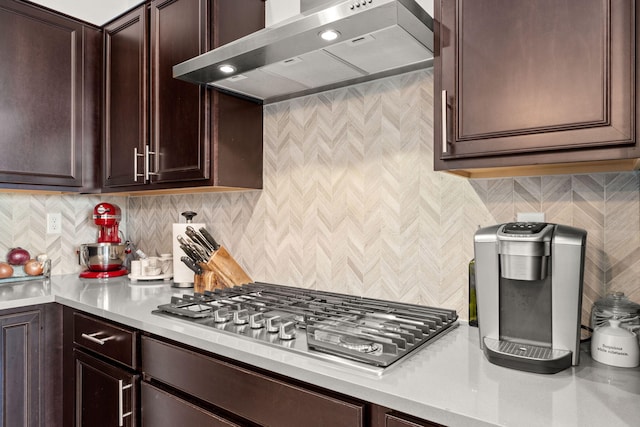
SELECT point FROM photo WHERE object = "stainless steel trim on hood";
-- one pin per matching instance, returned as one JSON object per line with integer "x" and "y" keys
{"x": 377, "y": 38}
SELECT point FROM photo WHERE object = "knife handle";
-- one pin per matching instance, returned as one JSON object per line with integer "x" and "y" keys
{"x": 209, "y": 238}
{"x": 192, "y": 265}
{"x": 194, "y": 251}
{"x": 187, "y": 250}
{"x": 198, "y": 239}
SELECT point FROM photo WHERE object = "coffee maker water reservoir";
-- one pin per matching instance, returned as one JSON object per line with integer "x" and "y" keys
{"x": 529, "y": 280}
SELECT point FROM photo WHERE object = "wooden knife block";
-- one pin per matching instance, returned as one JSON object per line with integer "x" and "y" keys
{"x": 221, "y": 271}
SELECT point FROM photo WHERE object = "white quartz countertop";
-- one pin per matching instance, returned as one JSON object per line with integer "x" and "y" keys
{"x": 448, "y": 382}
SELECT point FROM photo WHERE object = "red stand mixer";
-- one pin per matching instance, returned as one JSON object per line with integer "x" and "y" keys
{"x": 104, "y": 259}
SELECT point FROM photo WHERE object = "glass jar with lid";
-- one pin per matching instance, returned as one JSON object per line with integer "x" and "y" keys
{"x": 616, "y": 306}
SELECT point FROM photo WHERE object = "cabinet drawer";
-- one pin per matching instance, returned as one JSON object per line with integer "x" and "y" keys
{"x": 250, "y": 395}
{"x": 162, "y": 409}
{"x": 397, "y": 420}
{"x": 105, "y": 338}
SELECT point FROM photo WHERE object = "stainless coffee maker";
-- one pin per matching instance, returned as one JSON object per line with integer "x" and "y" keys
{"x": 529, "y": 294}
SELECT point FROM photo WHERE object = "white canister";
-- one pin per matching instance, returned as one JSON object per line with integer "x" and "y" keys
{"x": 136, "y": 268}
{"x": 615, "y": 346}
{"x": 182, "y": 275}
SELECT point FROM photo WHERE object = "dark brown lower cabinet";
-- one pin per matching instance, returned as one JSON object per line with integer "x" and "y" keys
{"x": 386, "y": 417}
{"x": 101, "y": 386}
{"x": 401, "y": 420}
{"x": 135, "y": 378}
{"x": 249, "y": 395}
{"x": 105, "y": 394}
{"x": 163, "y": 409}
{"x": 186, "y": 386}
{"x": 30, "y": 365}
{"x": 20, "y": 346}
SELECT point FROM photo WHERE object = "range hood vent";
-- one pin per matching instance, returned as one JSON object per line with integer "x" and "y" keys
{"x": 376, "y": 38}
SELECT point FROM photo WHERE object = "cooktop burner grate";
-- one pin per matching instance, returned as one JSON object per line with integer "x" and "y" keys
{"x": 367, "y": 331}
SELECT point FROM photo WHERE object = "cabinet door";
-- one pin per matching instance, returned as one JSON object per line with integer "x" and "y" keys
{"x": 105, "y": 395}
{"x": 236, "y": 125}
{"x": 532, "y": 76}
{"x": 195, "y": 136}
{"x": 41, "y": 97}
{"x": 20, "y": 374}
{"x": 180, "y": 111}
{"x": 125, "y": 103}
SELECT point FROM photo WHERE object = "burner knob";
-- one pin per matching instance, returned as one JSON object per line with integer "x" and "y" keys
{"x": 240, "y": 317}
{"x": 287, "y": 331}
{"x": 272, "y": 324}
{"x": 256, "y": 321}
{"x": 221, "y": 315}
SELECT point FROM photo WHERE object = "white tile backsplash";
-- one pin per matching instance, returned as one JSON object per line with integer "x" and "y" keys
{"x": 351, "y": 204}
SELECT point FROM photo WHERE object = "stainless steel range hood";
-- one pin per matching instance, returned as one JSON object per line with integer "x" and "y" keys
{"x": 377, "y": 38}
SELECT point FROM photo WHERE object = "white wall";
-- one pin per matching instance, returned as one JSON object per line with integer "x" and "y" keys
{"x": 279, "y": 10}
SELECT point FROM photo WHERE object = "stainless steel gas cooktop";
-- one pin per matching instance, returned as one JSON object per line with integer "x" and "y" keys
{"x": 363, "y": 332}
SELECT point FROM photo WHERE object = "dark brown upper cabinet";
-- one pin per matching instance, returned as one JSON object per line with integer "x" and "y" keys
{"x": 535, "y": 87}
{"x": 50, "y": 76}
{"x": 126, "y": 96}
{"x": 161, "y": 133}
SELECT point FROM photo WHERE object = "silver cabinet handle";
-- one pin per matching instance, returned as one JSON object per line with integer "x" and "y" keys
{"x": 146, "y": 163}
{"x": 444, "y": 122}
{"x": 135, "y": 164}
{"x": 92, "y": 338}
{"x": 149, "y": 154}
{"x": 121, "y": 414}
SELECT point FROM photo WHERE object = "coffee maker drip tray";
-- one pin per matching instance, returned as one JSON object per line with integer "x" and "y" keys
{"x": 526, "y": 357}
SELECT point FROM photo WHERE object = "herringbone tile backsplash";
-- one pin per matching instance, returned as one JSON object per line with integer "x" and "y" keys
{"x": 23, "y": 223}
{"x": 351, "y": 204}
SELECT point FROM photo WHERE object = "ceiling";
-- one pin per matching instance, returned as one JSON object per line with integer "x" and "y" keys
{"x": 97, "y": 12}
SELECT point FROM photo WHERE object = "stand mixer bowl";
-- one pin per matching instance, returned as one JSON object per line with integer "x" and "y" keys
{"x": 102, "y": 256}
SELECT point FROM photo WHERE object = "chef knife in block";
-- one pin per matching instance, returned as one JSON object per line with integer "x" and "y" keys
{"x": 209, "y": 238}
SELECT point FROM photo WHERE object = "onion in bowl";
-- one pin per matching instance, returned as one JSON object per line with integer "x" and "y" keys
{"x": 33, "y": 267}
{"x": 18, "y": 256}
{"x": 5, "y": 270}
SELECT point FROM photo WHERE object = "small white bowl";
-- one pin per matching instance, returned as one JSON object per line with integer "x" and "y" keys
{"x": 152, "y": 271}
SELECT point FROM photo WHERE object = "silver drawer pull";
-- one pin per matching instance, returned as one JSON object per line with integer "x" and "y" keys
{"x": 121, "y": 415}
{"x": 92, "y": 338}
